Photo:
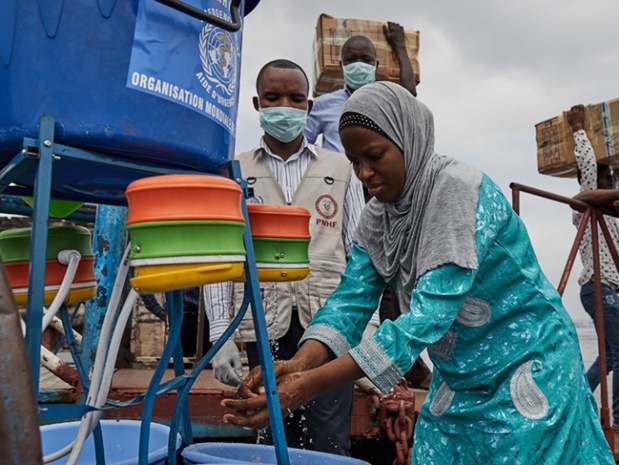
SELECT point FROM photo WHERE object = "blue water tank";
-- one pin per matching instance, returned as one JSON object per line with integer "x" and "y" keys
{"x": 132, "y": 78}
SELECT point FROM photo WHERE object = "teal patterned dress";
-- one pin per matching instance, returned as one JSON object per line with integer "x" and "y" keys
{"x": 509, "y": 384}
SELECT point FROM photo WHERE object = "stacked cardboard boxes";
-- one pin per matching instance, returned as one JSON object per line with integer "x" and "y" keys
{"x": 331, "y": 33}
{"x": 555, "y": 142}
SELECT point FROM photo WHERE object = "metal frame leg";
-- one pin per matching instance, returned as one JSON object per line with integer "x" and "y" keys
{"x": 252, "y": 287}
{"x": 38, "y": 247}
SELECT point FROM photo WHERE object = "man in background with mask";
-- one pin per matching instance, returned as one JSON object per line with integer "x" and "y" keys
{"x": 358, "y": 59}
{"x": 287, "y": 170}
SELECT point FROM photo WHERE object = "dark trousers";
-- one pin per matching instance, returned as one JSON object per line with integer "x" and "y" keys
{"x": 324, "y": 423}
{"x": 610, "y": 307}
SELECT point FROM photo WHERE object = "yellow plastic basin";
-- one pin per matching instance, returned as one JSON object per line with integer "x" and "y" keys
{"x": 172, "y": 277}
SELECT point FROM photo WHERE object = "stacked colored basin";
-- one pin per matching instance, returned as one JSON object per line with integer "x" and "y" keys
{"x": 281, "y": 237}
{"x": 15, "y": 251}
{"x": 185, "y": 230}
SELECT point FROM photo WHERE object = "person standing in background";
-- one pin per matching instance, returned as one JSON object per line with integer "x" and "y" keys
{"x": 597, "y": 184}
{"x": 359, "y": 64}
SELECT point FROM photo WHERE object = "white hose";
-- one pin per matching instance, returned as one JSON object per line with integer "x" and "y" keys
{"x": 102, "y": 348}
{"x": 72, "y": 259}
{"x": 89, "y": 423}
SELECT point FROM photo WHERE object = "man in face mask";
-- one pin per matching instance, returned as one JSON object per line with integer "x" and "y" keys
{"x": 287, "y": 170}
{"x": 358, "y": 60}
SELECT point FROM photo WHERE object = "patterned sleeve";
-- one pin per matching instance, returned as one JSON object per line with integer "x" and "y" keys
{"x": 391, "y": 352}
{"x": 587, "y": 163}
{"x": 339, "y": 324}
{"x": 435, "y": 303}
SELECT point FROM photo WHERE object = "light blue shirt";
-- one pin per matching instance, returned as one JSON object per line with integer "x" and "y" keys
{"x": 325, "y": 119}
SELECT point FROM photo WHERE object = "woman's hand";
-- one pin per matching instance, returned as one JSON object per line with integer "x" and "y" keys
{"x": 253, "y": 383}
{"x": 294, "y": 390}
{"x": 299, "y": 380}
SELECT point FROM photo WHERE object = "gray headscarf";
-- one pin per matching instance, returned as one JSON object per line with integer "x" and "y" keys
{"x": 433, "y": 221}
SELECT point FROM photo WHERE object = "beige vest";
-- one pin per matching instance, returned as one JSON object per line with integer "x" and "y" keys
{"x": 322, "y": 191}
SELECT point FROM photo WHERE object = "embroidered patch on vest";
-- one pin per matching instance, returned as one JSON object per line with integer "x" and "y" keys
{"x": 474, "y": 312}
{"x": 326, "y": 206}
{"x": 444, "y": 347}
{"x": 442, "y": 400}
{"x": 528, "y": 398}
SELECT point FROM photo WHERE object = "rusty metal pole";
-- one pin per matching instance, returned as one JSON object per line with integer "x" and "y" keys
{"x": 572, "y": 256}
{"x": 599, "y": 327}
{"x": 516, "y": 198}
{"x": 20, "y": 441}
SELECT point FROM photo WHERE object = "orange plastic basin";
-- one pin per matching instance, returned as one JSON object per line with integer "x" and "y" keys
{"x": 184, "y": 197}
{"x": 283, "y": 221}
{"x": 54, "y": 272}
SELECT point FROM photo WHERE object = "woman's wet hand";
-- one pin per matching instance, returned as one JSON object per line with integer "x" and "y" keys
{"x": 249, "y": 413}
{"x": 293, "y": 390}
{"x": 254, "y": 383}
{"x": 251, "y": 385}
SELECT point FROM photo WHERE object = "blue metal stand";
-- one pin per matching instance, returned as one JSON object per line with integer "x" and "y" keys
{"x": 41, "y": 153}
{"x": 252, "y": 289}
{"x": 251, "y": 297}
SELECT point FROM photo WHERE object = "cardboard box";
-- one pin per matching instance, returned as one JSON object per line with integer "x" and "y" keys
{"x": 331, "y": 33}
{"x": 555, "y": 141}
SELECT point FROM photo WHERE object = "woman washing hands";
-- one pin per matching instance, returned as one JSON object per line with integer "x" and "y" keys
{"x": 508, "y": 382}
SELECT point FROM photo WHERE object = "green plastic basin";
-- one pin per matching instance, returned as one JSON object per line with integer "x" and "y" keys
{"x": 185, "y": 238}
{"x": 15, "y": 243}
{"x": 278, "y": 250}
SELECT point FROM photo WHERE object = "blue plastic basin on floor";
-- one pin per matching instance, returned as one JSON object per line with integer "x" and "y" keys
{"x": 121, "y": 442}
{"x": 234, "y": 453}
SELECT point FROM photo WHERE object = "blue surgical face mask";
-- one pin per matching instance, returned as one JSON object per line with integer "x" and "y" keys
{"x": 283, "y": 123}
{"x": 358, "y": 74}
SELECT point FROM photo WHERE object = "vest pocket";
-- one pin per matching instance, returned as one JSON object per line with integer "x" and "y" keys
{"x": 268, "y": 292}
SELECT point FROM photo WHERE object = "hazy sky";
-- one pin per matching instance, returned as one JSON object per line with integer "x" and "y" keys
{"x": 490, "y": 70}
